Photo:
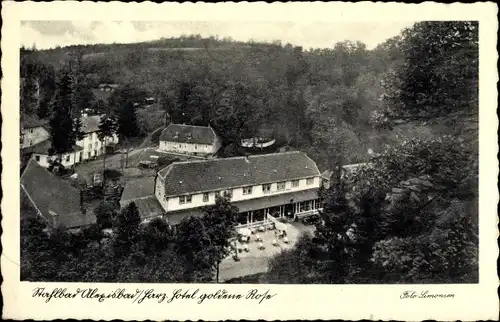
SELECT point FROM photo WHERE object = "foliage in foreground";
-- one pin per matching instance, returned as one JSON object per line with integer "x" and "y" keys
{"x": 153, "y": 252}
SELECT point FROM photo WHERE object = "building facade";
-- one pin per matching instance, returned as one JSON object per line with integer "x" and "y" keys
{"x": 87, "y": 148}
{"x": 284, "y": 185}
{"x": 189, "y": 139}
{"x": 91, "y": 145}
{"x": 33, "y": 131}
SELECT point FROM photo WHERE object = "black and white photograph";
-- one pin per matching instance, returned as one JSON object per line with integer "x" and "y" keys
{"x": 250, "y": 152}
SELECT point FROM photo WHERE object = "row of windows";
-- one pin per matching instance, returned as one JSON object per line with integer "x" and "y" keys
{"x": 266, "y": 188}
{"x": 280, "y": 186}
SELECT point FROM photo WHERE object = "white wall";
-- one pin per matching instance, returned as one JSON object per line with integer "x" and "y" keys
{"x": 172, "y": 203}
{"x": 67, "y": 159}
{"x": 160, "y": 193}
{"x": 179, "y": 147}
{"x": 92, "y": 146}
{"x": 33, "y": 136}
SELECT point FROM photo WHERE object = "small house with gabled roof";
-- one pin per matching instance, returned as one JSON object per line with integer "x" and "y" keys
{"x": 189, "y": 139}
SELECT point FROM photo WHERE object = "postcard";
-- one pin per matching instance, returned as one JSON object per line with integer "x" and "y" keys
{"x": 257, "y": 161}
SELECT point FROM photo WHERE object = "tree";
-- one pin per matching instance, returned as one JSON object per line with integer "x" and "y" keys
{"x": 193, "y": 244}
{"x": 126, "y": 228}
{"x": 439, "y": 76}
{"x": 127, "y": 120}
{"x": 106, "y": 213}
{"x": 332, "y": 242}
{"x": 219, "y": 221}
{"x": 293, "y": 266}
{"x": 107, "y": 128}
{"x": 62, "y": 125}
{"x": 446, "y": 254}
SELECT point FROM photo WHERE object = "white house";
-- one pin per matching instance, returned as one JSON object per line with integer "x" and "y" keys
{"x": 41, "y": 153}
{"x": 190, "y": 139}
{"x": 89, "y": 147}
{"x": 33, "y": 131}
{"x": 90, "y": 144}
{"x": 279, "y": 184}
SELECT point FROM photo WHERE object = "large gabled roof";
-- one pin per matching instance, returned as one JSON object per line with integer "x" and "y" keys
{"x": 47, "y": 192}
{"x": 209, "y": 175}
{"x": 188, "y": 134}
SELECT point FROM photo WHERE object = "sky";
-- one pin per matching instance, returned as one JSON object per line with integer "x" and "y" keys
{"x": 49, "y": 34}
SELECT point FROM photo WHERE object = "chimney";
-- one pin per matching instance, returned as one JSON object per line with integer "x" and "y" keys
{"x": 55, "y": 219}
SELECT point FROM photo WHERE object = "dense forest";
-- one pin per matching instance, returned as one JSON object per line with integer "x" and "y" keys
{"x": 409, "y": 215}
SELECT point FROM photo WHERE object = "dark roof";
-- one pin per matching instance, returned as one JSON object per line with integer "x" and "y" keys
{"x": 44, "y": 147}
{"x": 188, "y": 134}
{"x": 28, "y": 121}
{"x": 148, "y": 207}
{"x": 208, "y": 175}
{"x": 47, "y": 192}
{"x": 138, "y": 188}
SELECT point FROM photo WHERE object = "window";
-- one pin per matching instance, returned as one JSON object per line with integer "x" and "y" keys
{"x": 37, "y": 158}
{"x": 229, "y": 193}
{"x": 68, "y": 158}
{"x": 247, "y": 190}
{"x": 295, "y": 183}
{"x": 281, "y": 186}
{"x": 30, "y": 143}
{"x": 184, "y": 199}
{"x": 90, "y": 146}
{"x": 205, "y": 197}
{"x": 309, "y": 181}
{"x": 31, "y": 130}
{"x": 266, "y": 188}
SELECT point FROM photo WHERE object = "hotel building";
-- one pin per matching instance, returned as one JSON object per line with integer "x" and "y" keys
{"x": 279, "y": 184}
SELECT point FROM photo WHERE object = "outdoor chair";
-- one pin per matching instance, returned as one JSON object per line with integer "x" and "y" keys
{"x": 246, "y": 248}
{"x": 261, "y": 246}
{"x": 262, "y": 228}
{"x": 275, "y": 242}
{"x": 258, "y": 238}
{"x": 285, "y": 240}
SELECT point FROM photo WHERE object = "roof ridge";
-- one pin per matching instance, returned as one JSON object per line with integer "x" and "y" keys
{"x": 238, "y": 158}
{"x": 276, "y": 153}
{"x": 189, "y": 125}
{"x": 26, "y": 168}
